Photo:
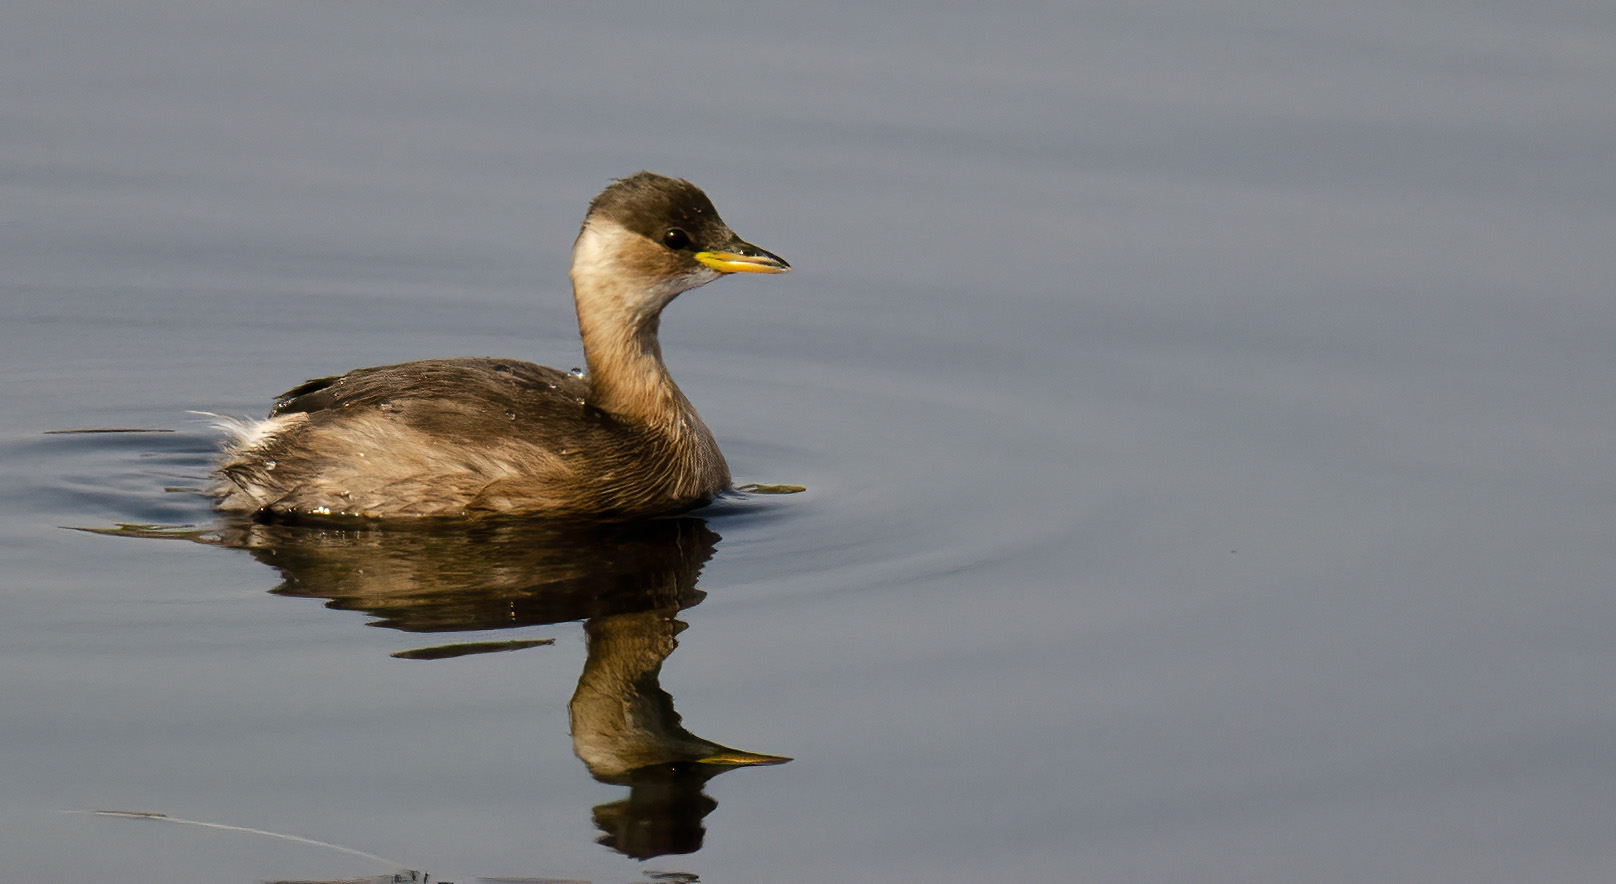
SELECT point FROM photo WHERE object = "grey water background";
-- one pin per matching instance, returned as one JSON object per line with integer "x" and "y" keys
{"x": 1207, "y": 414}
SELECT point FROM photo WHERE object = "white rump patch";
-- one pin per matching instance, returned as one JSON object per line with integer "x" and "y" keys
{"x": 246, "y": 433}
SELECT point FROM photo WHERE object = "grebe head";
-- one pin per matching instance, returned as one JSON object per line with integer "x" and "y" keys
{"x": 647, "y": 238}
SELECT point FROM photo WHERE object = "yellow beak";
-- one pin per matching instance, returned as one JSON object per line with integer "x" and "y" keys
{"x": 742, "y": 257}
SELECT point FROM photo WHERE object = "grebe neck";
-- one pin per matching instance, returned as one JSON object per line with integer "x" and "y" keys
{"x": 627, "y": 377}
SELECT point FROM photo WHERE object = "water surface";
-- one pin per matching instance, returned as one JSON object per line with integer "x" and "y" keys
{"x": 1205, "y": 415}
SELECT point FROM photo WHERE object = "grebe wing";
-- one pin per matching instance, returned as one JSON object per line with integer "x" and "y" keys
{"x": 495, "y": 382}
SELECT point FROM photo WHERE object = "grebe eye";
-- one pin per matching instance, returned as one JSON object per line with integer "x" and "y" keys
{"x": 676, "y": 239}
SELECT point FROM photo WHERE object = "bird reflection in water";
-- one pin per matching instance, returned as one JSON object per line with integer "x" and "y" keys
{"x": 625, "y": 582}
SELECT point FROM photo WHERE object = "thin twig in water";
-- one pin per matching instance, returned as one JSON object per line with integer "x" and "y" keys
{"x": 165, "y": 818}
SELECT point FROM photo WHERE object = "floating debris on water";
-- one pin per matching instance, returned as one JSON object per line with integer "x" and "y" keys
{"x": 463, "y": 649}
{"x": 107, "y": 430}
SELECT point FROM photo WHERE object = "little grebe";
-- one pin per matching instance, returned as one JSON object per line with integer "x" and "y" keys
{"x": 478, "y": 437}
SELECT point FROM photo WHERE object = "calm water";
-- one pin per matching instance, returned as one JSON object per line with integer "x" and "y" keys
{"x": 1206, "y": 413}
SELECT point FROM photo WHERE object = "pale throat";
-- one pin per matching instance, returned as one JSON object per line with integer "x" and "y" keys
{"x": 618, "y": 322}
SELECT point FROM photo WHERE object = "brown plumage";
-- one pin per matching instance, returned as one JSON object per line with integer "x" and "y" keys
{"x": 476, "y": 437}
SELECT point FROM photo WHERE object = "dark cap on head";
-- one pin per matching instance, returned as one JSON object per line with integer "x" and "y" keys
{"x": 648, "y": 204}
